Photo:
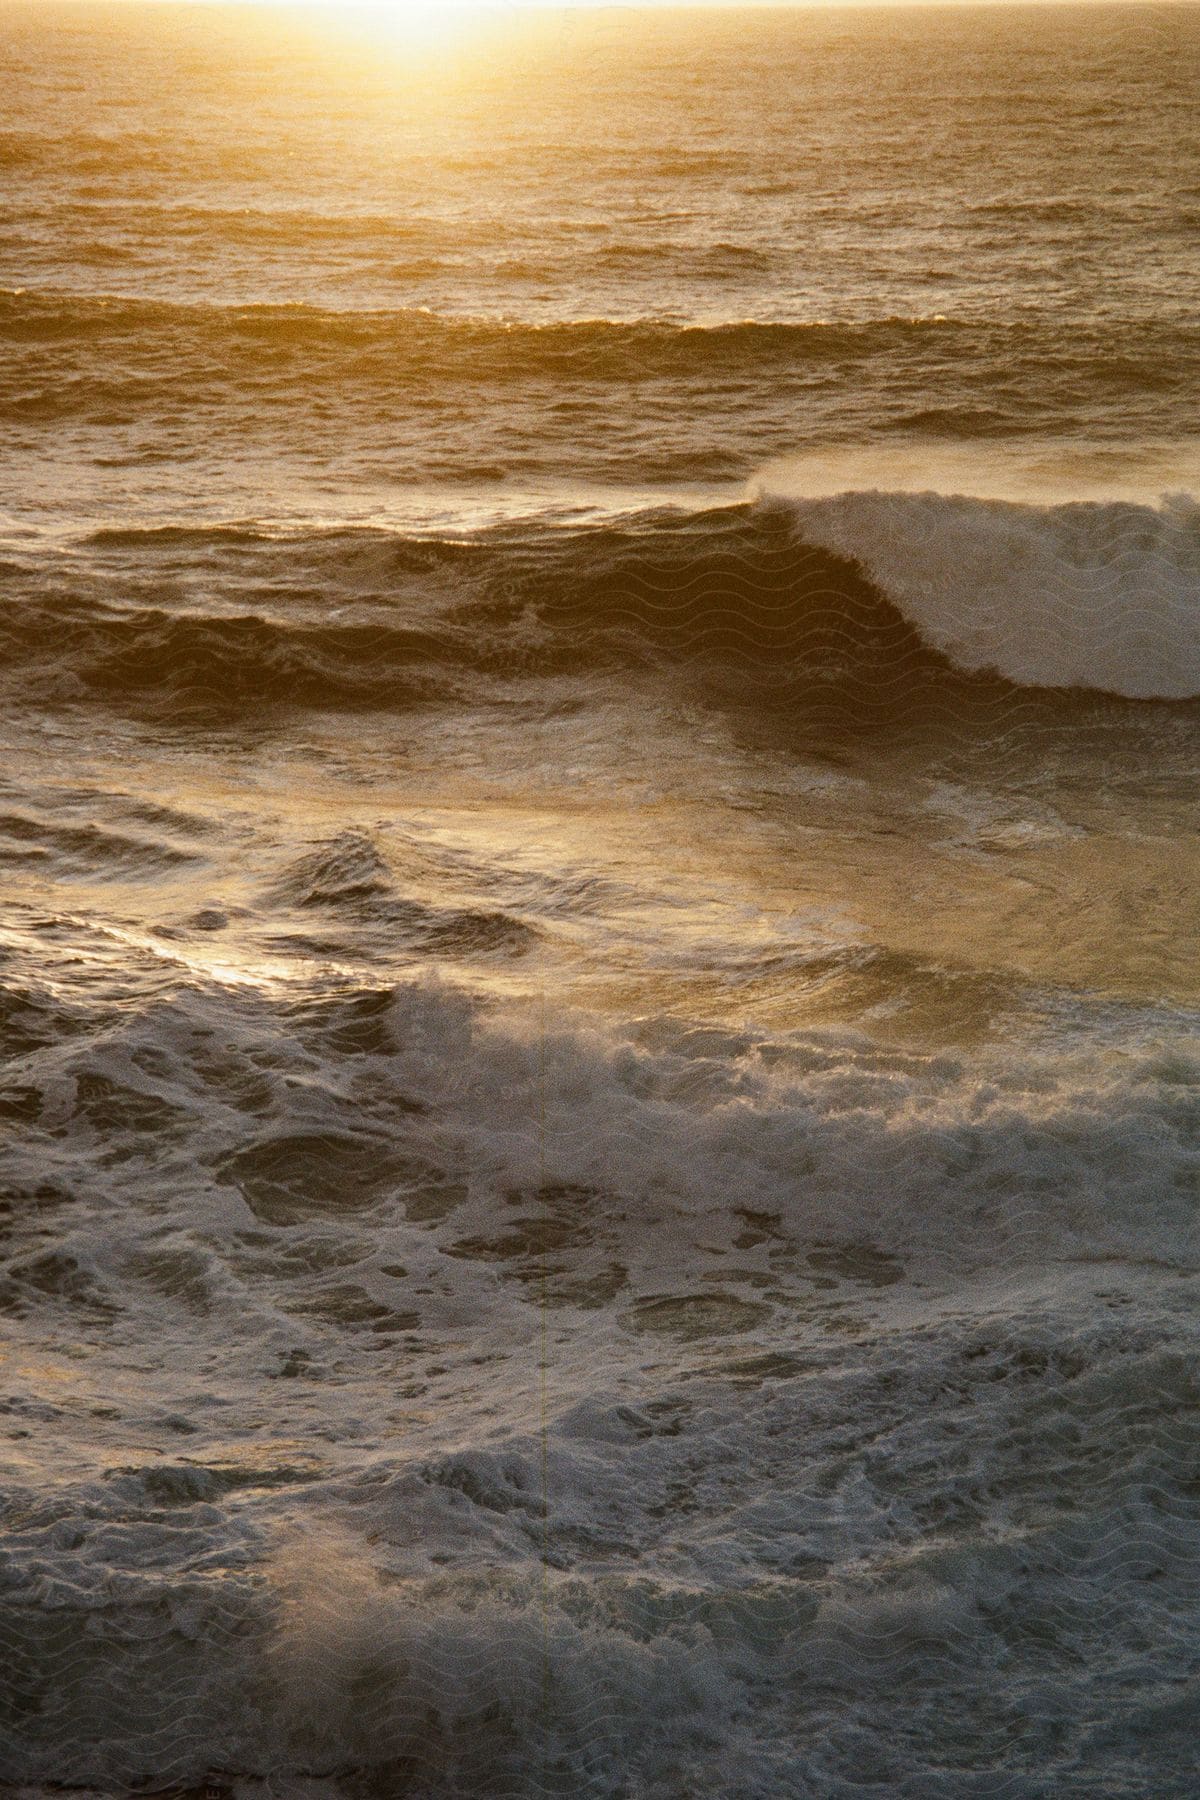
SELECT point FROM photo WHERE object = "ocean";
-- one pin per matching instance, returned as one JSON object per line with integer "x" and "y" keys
{"x": 600, "y": 1127}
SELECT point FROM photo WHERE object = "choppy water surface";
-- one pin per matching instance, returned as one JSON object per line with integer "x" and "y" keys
{"x": 600, "y": 1112}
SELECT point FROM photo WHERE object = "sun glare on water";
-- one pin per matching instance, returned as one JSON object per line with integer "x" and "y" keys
{"x": 419, "y": 26}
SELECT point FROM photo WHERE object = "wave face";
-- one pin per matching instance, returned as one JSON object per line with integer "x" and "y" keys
{"x": 376, "y": 619}
{"x": 599, "y": 1095}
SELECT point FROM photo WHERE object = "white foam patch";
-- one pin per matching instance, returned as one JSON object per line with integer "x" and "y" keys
{"x": 939, "y": 1157}
{"x": 692, "y": 1581}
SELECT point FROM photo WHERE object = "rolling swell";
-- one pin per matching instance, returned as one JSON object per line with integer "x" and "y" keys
{"x": 156, "y": 658}
{"x": 152, "y": 346}
{"x": 410, "y": 337}
{"x": 386, "y": 393}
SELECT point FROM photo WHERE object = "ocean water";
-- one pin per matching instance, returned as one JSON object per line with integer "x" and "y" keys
{"x": 600, "y": 1124}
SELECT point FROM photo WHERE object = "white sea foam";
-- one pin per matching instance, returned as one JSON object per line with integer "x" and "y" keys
{"x": 541, "y": 1405}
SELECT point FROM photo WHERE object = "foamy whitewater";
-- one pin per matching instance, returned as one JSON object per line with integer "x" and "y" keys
{"x": 601, "y": 1111}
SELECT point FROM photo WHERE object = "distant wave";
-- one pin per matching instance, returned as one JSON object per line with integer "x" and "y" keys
{"x": 437, "y": 397}
{"x": 31, "y": 314}
{"x": 513, "y": 349}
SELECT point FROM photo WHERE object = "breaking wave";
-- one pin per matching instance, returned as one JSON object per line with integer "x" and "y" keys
{"x": 1085, "y": 594}
{"x": 873, "y": 603}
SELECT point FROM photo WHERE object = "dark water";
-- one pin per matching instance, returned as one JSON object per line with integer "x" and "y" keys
{"x": 600, "y": 1123}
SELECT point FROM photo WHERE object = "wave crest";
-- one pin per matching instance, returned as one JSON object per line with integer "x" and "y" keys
{"x": 1088, "y": 594}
